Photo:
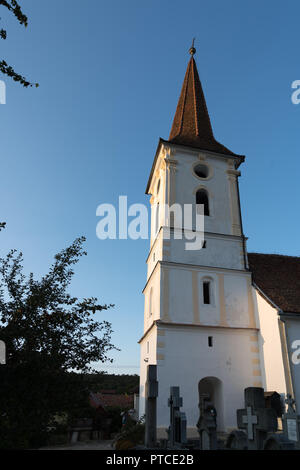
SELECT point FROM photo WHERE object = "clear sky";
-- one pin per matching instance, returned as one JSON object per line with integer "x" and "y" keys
{"x": 110, "y": 74}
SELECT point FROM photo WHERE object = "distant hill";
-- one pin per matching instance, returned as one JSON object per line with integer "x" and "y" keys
{"x": 119, "y": 383}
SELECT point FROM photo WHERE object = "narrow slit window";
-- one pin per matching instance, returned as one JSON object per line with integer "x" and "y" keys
{"x": 150, "y": 302}
{"x": 202, "y": 198}
{"x": 158, "y": 186}
{"x": 210, "y": 341}
{"x": 157, "y": 218}
{"x": 206, "y": 292}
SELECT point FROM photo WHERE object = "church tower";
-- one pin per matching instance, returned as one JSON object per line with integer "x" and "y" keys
{"x": 200, "y": 324}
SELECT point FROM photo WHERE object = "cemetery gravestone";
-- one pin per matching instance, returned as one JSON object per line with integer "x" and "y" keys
{"x": 151, "y": 392}
{"x": 291, "y": 421}
{"x": 207, "y": 424}
{"x": 255, "y": 419}
{"x": 2, "y": 352}
{"x": 177, "y": 429}
{"x": 274, "y": 400}
{"x": 289, "y": 439}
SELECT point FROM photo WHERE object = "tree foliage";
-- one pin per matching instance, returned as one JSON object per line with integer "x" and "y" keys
{"x": 15, "y": 9}
{"x": 120, "y": 384}
{"x": 47, "y": 333}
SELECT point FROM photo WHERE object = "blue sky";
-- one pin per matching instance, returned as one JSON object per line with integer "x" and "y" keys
{"x": 110, "y": 74}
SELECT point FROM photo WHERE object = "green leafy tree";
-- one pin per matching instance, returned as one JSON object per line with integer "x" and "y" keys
{"x": 15, "y": 9}
{"x": 48, "y": 333}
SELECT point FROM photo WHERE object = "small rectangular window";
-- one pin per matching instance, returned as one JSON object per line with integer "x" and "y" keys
{"x": 147, "y": 347}
{"x": 204, "y": 244}
{"x": 210, "y": 341}
{"x": 206, "y": 293}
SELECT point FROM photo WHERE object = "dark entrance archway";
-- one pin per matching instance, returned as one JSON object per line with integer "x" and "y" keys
{"x": 214, "y": 388}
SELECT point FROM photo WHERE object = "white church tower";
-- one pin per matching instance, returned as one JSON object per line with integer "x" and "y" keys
{"x": 200, "y": 321}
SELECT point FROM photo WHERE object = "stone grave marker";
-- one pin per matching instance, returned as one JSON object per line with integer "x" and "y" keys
{"x": 2, "y": 352}
{"x": 207, "y": 423}
{"x": 151, "y": 392}
{"x": 289, "y": 438}
{"x": 291, "y": 421}
{"x": 177, "y": 429}
{"x": 256, "y": 420}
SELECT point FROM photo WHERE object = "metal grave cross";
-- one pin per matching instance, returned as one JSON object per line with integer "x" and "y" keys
{"x": 291, "y": 422}
{"x": 290, "y": 403}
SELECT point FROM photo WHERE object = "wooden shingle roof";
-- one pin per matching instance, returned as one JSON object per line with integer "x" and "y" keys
{"x": 191, "y": 125}
{"x": 278, "y": 276}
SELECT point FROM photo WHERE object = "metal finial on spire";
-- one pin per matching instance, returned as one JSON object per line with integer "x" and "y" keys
{"x": 192, "y": 49}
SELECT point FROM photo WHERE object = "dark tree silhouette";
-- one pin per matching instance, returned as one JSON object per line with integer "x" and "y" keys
{"x": 47, "y": 333}
{"x": 15, "y": 9}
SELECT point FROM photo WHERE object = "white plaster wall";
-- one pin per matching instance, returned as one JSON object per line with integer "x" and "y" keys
{"x": 181, "y": 298}
{"x": 181, "y": 295}
{"x": 153, "y": 283}
{"x": 188, "y": 359}
{"x": 186, "y": 183}
{"x": 220, "y": 252}
{"x": 236, "y": 299}
{"x": 209, "y": 313}
{"x": 155, "y": 254}
{"x": 270, "y": 345}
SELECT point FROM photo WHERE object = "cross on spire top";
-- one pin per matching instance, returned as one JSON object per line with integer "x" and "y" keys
{"x": 191, "y": 125}
{"x": 192, "y": 49}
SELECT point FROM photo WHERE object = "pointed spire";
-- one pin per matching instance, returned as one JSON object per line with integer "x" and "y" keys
{"x": 191, "y": 125}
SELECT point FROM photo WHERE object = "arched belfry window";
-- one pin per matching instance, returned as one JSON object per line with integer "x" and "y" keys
{"x": 206, "y": 292}
{"x": 202, "y": 198}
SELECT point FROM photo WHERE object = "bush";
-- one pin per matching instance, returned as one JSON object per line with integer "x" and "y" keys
{"x": 131, "y": 435}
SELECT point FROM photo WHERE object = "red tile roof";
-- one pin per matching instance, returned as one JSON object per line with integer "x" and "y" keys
{"x": 191, "y": 125}
{"x": 278, "y": 276}
{"x": 111, "y": 399}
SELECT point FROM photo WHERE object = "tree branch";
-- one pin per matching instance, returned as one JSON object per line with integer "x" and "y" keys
{"x": 14, "y": 7}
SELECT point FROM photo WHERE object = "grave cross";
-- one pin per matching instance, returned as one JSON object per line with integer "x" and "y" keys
{"x": 291, "y": 422}
{"x": 290, "y": 403}
{"x": 151, "y": 392}
{"x": 250, "y": 420}
{"x": 207, "y": 423}
{"x": 177, "y": 428}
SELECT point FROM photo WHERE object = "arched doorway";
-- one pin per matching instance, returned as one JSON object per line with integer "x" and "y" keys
{"x": 213, "y": 387}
